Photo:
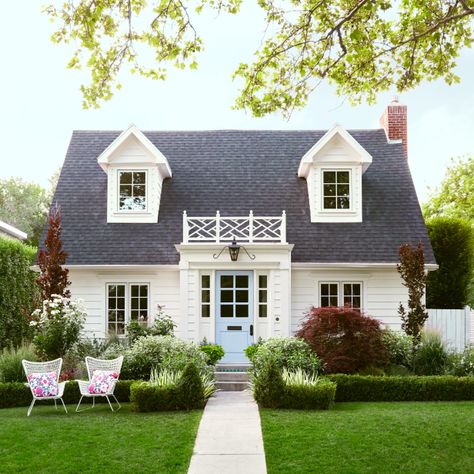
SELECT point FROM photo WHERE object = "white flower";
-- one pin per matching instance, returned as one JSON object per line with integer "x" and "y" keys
{"x": 33, "y": 323}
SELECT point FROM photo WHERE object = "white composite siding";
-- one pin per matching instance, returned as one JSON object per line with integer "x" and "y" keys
{"x": 90, "y": 286}
{"x": 382, "y": 292}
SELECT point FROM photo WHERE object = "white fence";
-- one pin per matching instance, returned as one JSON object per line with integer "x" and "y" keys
{"x": 455, "y": 325}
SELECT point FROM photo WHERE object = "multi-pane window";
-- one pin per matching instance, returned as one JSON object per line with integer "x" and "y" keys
{"x": 262, "y": 296}
{"x": 125, "y": 303}
{"x": 205, "y": 296}
{"x": 340, "y": 294}
{"x": 329, "y": 294}
{"x": 116, "y": 308}
{"x": 336, "y": 190}
{"x": 132, "y": 190}
{"x": 351, "y": 296}
{"x": 139, "y": 303}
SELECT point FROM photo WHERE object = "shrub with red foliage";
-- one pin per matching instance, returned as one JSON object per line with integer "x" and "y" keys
{"x": 345, "y": 339}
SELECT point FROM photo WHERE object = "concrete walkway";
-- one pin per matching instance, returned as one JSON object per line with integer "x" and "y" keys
{"x": 229, "y": 439}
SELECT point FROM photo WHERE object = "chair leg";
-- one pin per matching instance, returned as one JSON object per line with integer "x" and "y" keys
{"x": 55, "y": 404}
{"x": 93, "y": 402}
{"x": 31, "y": 407}
{"x": 119, "y": 406}
{"x": 110, "y": 404}
{"x": 79, "y": 404}
{"x": 65, "y": 409}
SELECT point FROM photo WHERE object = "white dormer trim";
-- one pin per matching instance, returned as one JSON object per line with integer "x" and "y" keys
{"x": 158, "y": 159}
{"x": 337, "y": 150}
{"x": 309, "y": 158}
{"x": 132, "y": 151}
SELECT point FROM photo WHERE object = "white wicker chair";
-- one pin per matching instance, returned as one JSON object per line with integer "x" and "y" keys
{"x": 92, "y": 364}
{"x": 43, "y": 367}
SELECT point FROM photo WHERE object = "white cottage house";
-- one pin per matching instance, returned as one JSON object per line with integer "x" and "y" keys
{"x": 237, "y": 233}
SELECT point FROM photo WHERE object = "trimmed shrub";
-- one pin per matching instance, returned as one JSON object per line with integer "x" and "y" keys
{"x": 214, "y": 352}
{"x": 251, "y": 350}
{"x": 399, "y": 347}
{"x": 11, "y": 368}
{"x": 18, "y": 292}
{"x": 286, "y": 352}
{"x": 360, "y": 388}
{"x": 453, "y": 246}
{"x": 186, "y": 394}
{"x": 345, "y": 339}
{"x": 163, "y": 325}
{"x": 190, "y": 390}
{"x": 320, "y": 396}
{"x": 267, "y": 383}
{"x": 430, "y": 357}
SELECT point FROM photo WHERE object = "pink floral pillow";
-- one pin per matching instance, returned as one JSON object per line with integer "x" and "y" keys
{"x": 43, "y": 384}
{"x": 103, "y": 381}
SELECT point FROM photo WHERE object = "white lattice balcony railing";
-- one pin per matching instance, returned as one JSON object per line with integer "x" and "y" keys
{"x": 250, "y": 229}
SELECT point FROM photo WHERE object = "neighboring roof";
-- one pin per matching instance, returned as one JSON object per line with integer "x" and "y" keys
{"x": 234, "y": 171}
{"x": 12, "y": 231}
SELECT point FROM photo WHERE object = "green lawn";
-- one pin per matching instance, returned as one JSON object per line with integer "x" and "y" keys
{"x": 410, "y": 437}
{"x": 96, "y": 441}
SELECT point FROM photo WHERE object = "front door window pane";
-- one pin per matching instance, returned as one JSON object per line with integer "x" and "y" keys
{"x": 227, "y": 311}
{"x": 242, "y": 310}
{"x": 242, "y": 281}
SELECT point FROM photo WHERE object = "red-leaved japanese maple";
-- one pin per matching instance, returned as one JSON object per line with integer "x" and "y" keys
{"x": 53, "y": 279}
{"x": 345, "y": 339}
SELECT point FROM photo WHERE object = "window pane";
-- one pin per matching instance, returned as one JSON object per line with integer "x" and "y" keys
{"x": 125, "y": 191}
{"x": 329, "y": 176}
{"x": 227, "y": 296}
{"x": 324, "y": 289}
{"x": 144, "y": 290}
{"x": 206, "y": 296}
{"x": 347, "y": 289}
{"x": 343, "y": 190}
{"x": 343, "y": 177}
{"x": 333, "y": 301}
{"x": 356, "y": 302}
{"x": 205, "y": 281}
{"x": 134, "y": 303}
{"x": 329, "y": 203}
{"x": 139, "y": 190}
{"x": 343, "y": 203}
{"x": 120, "y": 315}
{"x": 125, "y": 177}
{"x": 242, "y": 310}
{"x": 262, "y": 281}
{"x": 333, "y": 289}
{"x": 356, "y": 289}
{"x": 134, "y": 290}
{"x": 205, "y": 311}
{"x": 112, "y": 328}
{"x": 241, "y": 296}
{"x": 112, "y": 303}
{"x": 134, "y": 314}
{"x": 120, "y": 329}
{"x": 329, "y": 190}
{"x": 227, "y": 281}
{"x": 324, "y": 301}
{"x": 121, "y": 290}
{"x": 262, "y": 310}
{"x": 144, "y": 303}
{"x": 242, "y": 281}
{"x": 120, "y": 303}
{"x": 262, "y": 296}
{"x": 227, "y": 311}
{"x": 112, "y": 290}
{"x": 111, "y": 315}
{"x": 139, "y": 177}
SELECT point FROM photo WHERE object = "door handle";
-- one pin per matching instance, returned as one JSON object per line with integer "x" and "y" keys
{"x": 251, "y": 329}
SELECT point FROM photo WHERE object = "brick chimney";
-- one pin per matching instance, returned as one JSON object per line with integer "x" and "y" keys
{"x": 394, "y": 122}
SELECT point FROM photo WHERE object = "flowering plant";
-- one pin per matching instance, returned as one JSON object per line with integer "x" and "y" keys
{"x": 58, "y": 325}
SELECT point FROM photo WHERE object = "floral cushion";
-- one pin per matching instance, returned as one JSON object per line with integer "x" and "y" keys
{"x": 102, "y": 381}
{"x": 43, "y": 384}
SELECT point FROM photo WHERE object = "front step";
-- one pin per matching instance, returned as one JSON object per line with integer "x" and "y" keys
{"x": 231, "y": 377}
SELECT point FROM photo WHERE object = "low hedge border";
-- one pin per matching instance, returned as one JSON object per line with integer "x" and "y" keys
{"x": 149, "y": 397}
{"x": 18, "y": 394}
{"x": 309, "y": 397}
{"x": 369, "y": 388}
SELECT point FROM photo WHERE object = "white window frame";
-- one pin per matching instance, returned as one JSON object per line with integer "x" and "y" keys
{"x": 340, "y": 290}
{"x": 336, "y": 210}
{"x": 201, "y": 303}
{"x": 257, "y": 296}
{"x": 132, "y": 170}
{"x": 128, "y": 302}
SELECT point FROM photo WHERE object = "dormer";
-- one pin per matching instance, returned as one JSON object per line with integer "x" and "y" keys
{"x": 135, "y": 172}
{"x": 333, "y": 170}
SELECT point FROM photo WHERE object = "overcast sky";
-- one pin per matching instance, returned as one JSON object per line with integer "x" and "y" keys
{"x": 41, "y": 102}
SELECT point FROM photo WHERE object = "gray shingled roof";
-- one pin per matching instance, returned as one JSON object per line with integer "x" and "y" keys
{"x": 234, "y": 171}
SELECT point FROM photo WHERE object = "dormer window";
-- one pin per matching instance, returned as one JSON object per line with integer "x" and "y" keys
{"x": 336, "y": 190}
{"x": 135, "y": 171}
{"x": 333, "y": 169}
{"x": 132, "y": 190}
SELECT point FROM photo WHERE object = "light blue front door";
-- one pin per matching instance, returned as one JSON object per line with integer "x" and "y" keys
{"x": 234, "y": 313}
